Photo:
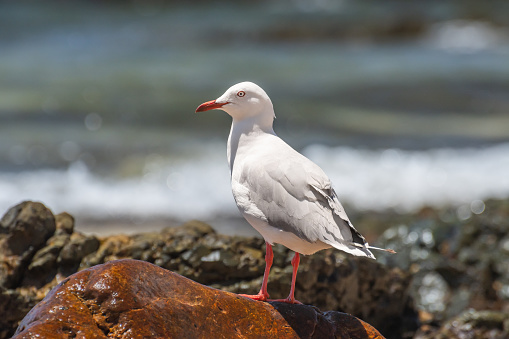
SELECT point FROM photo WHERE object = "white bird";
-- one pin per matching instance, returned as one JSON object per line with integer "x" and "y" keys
{"x": 286, "y": 197}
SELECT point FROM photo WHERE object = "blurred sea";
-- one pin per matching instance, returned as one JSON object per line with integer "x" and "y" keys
{"x": 97, "y": 103}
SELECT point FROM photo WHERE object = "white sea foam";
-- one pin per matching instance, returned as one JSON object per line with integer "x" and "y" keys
{"x": 465, "y": 36}
{"x": 199, "y": 188}
{"x": 196, "y": 189}
{"x": 408, "y": 180}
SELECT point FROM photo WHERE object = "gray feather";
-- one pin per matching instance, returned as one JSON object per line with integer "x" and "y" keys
{"x": 296, "y": 196}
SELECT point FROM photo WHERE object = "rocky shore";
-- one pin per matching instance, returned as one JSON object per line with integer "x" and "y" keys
{"x": 449, "y": 279}
{"x": 135, "y": 299}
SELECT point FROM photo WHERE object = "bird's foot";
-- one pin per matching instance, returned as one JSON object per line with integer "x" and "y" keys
{"x": 287, "y": 300}
{"x": 258, "y": 297}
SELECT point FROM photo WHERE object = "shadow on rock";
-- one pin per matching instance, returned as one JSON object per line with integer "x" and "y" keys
{"x": 310, "y": 322}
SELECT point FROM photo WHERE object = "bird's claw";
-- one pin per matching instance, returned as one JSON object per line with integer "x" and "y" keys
{"x": 257, "y": 297}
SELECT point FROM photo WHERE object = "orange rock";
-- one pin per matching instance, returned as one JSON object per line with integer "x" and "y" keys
{"x": 135, "y": 299}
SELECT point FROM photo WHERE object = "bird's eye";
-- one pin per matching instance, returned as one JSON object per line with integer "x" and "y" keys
{"x": 241, "y": 94}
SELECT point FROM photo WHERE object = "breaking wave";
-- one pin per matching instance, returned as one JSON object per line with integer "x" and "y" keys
{"x": 199, "y": 188}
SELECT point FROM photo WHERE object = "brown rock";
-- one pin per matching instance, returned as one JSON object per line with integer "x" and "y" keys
{"x": 76, "y": 249}
{"x": 327, "y": 279}
{"x": 64, "y": 223}
{"x": 135, "y": 299}
{"x": 14, "y": 305}
{"x": 43, "y": 267}
{"x": 24, "y": 229}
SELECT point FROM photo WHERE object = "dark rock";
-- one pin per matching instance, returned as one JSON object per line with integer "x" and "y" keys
{"x": 24, "y": 229}
{"x": 444, "y": 265}
{"x": 32, "y": 243}
{"x": 472, "y": 324}
{"x": 193, "y": 228}
{"x": 14, "y": 305}
{"x": 310, "y": 322}
{"x": 230, "y": 263}
{"x": 137, "y": 299}
{"x": 64, "y": 223}
{"x": 109, "y": 249}
{"x": 456, "y": 264}
{"x": 43, "y": 267}
{"x": 359, "y": 286}
{"x": 72, "y": 254}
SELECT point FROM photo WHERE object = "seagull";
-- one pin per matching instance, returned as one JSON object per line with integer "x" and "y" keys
{"x": 286, "y": 197}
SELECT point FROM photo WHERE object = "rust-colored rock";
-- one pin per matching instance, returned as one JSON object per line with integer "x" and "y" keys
{"x": 135, "y": 299}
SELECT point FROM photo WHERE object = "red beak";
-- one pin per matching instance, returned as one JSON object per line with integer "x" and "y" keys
{"x": 207, "y": 106}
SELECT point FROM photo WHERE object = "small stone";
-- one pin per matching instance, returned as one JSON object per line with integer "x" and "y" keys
{"x": 76, "y": 249}
{"x": 109, "y": 249}
{"x": 476, "y": 324}
{"x": 193, "y": 228}
{"x": 64, "y": 223}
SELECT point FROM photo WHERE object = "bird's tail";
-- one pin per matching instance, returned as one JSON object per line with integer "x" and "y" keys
{"x": 366, "y": 245}
{"x": 353, "y": 248}
{"x": 390, "y": 250}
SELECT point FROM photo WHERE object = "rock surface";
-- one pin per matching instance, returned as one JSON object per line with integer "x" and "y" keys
{"x": 471, "y": 324}
{"x": 459, "y": 266}
{"x": 328, "y": 280}
{"x": 131, "y": 298}
{"x": 24, "y": 229}
{"x": 452, "y": 269}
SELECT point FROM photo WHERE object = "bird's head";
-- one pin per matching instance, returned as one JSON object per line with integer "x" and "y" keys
{"x": 241, "y": 101}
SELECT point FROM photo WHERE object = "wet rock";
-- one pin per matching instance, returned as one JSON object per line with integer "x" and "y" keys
{"x": 467, "y": 256}
{"x": 472, "y": 324}
{"x": 456, "y": 264}
{"x": 194, "y": 256}
{"x": 137, "y": 299}
{"x": 443, "y": 267}
{"x": 330, "y": 324}
{"x": 230, "y": 263}
{"x": 24, "y": 229}
{"x": 354, "y": 285}
{"x": 431, "y": 292}
{"x": 220, "y": 264}
{"x": 32, "y": 243}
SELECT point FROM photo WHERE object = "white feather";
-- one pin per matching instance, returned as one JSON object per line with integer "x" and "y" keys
{"x": 282, "y": 194}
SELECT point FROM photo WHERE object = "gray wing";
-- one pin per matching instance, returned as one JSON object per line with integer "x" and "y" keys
{"x": 296, "y": 196}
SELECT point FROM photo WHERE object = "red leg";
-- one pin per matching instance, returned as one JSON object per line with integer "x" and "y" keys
{"x": 295, "y": 264}
{"x": 291, "y": 297}
{"x": 263, "y": 295}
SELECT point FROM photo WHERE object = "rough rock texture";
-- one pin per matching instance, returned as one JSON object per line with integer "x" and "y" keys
{"x": 444, "y": 265}
{"x": 471, "y": 324}
{"x": 456, "y": 264}
{"x": 23, "y": 229}
{"x": 329, "y": 279}
{"x": 131, "y": 298}
{"x": 37, "y": 249}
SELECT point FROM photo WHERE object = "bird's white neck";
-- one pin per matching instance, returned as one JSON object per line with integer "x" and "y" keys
{"x": 244, "y": 132}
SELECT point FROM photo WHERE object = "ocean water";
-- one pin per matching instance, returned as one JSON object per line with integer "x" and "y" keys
{"x": 97, "y": 102}
{"x": 199, "y": 188}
